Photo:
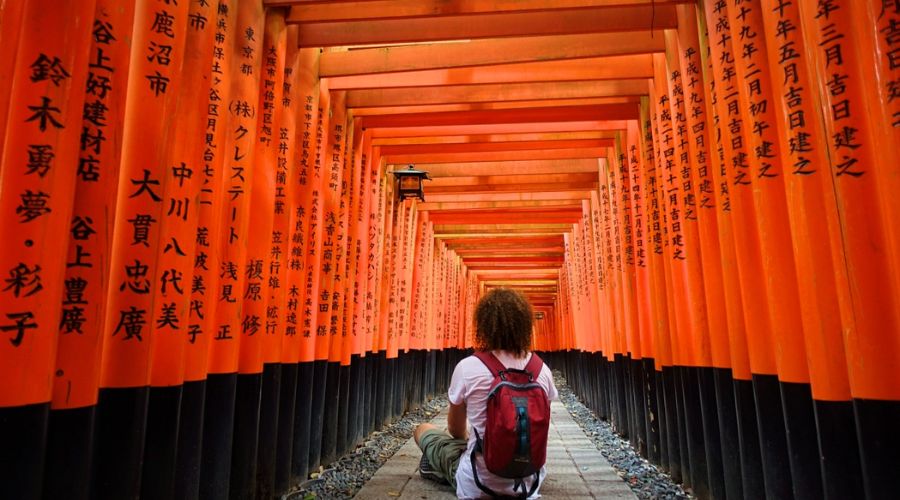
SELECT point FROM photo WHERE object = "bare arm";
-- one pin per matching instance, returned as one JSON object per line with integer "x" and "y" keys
{"x": 456, "y": 421}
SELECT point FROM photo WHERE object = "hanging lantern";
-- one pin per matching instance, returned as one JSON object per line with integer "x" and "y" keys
{"x": 409, "y": 183}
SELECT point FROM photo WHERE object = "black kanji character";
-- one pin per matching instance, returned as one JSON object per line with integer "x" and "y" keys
{"x": 136, "y": 275}
{"x": 33, "y": 205}
{"x": 174, "y": 277}
{"x": 224, "y": 333}
{"x": 162, "y": 54}
{"x": 103, "y": 32}
{"x": 72, "y": 320}
{"x": 90, "y": 141}
{"x": 98, "y": 85}
{"x": 44, "y": 68}
{"x": 144, "y": 185}
{"x": 89, "y": 169}
{"x": 181, "y": 173}
{"x": 95, "y": 112}
{"x": 24, "y": 279}
{"x": 193, "y": 331}
{"x": 39, "y": 158}
{"x": 141, "y": 229}
{"x": 81, "y": 227}
{"x": 23, "y": 321}
{"x": 163, "y": 24}
{"x": 74, "y": 291}
{"x": 251, "y": 324}
{"x": 43, "y": 113}
{"x": 197, "y": 21}
{"x": 173, "y": 245}
{"x": 132, "y": 321}
{"x": 168, "y": 317}
{"x": 159, "y": 83}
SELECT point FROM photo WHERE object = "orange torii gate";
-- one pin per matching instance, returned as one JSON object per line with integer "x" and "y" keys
{"x": 696, "y": 197}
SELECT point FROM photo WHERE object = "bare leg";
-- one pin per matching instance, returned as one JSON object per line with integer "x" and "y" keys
{"x": 420, "y": 429}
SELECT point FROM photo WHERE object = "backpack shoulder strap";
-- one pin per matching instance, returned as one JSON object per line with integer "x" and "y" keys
{"x": 493, "y": 364}
{"x": 534, "y": 366}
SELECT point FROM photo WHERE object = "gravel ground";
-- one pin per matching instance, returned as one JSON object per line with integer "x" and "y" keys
{"x": 348, "y": 474}
{"x": 645, "y": 479}
{"x": 343, "y": 478}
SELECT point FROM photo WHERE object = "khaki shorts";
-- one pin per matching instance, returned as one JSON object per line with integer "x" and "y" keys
{"x": 442, "y": 451}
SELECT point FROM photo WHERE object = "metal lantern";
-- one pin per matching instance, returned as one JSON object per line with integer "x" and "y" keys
{"x": 409, "y": 183}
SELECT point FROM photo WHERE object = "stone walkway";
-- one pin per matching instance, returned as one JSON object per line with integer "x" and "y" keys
{"x": 575, "y": 468}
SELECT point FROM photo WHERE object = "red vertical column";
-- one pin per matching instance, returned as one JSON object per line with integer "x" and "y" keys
{"x": 863, "y": 171}
{"x": 306, "y": 245}
{"x": 43, "y": 84}
{"x": 96, "y": 180}
{"x": 175, "y": 251}
{"x": 75, "y": 388}
{"x": 240, "y": 142}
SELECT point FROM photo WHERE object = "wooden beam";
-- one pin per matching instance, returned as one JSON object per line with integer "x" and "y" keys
{"x": 436, "y": 170}
{"x": 309, "y": 11}
{"x": 485, "y": 106}
{"x": 526, "y": 115}
{"x": 513, "y": 177}
{"x": 484, "y": 147}
{"x": 505, "y": 196}
{"x": 503, "y": 242}
{"x": 481, "y": 138}
{"x": 501, "y": 228}
{"x": 497, "y": 128}
{"x": 547, "y": 154}
{"x": 494, "y": 92}
{"x": 487, "y": 52}
{"x": 369, "y": 31}
{"x": 558, "y": 186}
{"x": 594, "y": 68}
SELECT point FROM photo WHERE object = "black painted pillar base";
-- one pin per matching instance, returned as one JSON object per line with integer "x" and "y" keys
{"x": 659, "y": 377}
{"x": 772, "y": 440}
{"x": 218, "y": 436}
{"x": 694, "y": 432}
{"x": 673, "y": 442}
{"x": 268, "y": 431}
{"x": 343, "y": 411}
{"x": 246, "y": 435}
{"x": 653, "y": 415}
{"x": 729, "y": 436}
{"x": 879, "y": 445}
{"x": 23, "y": 434}
{"x": 331, "y": 399}
{"x": 161, "y": 443}
{"x": 709, "y": 411}
{"x": 70, "y": 444}
{"x": 841, "y": 469}
{"x": 752, "y": 478}
{"x": 390, "y": 383}
{"x": 317, "y": 415}
{"x": 190, "y": 441}
{"x": 285, "y": 443}
{"x": 640, "y": 406}
{"x": 380, "y": 391}
{"x": 119, "y": 443}
{"x": 802, "y": 441}
{"x": 356, "y": 402}
{"x": 303, "y": 410}
{"x": 680, "y": 415}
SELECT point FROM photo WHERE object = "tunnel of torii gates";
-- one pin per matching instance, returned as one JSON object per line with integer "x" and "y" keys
{"x": 210, "y": 288}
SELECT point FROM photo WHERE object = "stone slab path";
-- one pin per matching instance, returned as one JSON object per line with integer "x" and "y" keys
{"x": 575, "y": 468}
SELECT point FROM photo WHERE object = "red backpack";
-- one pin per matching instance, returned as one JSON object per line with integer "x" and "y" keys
{"x": 514, "y": 444}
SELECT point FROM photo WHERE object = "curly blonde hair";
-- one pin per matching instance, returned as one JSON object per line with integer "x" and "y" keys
{"x": 503, "y": 321}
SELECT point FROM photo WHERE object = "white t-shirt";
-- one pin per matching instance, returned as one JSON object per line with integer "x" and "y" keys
{"x": 470, "y": 384}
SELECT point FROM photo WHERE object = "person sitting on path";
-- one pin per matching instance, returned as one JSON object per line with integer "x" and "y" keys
{"x": 503, "y": 321}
